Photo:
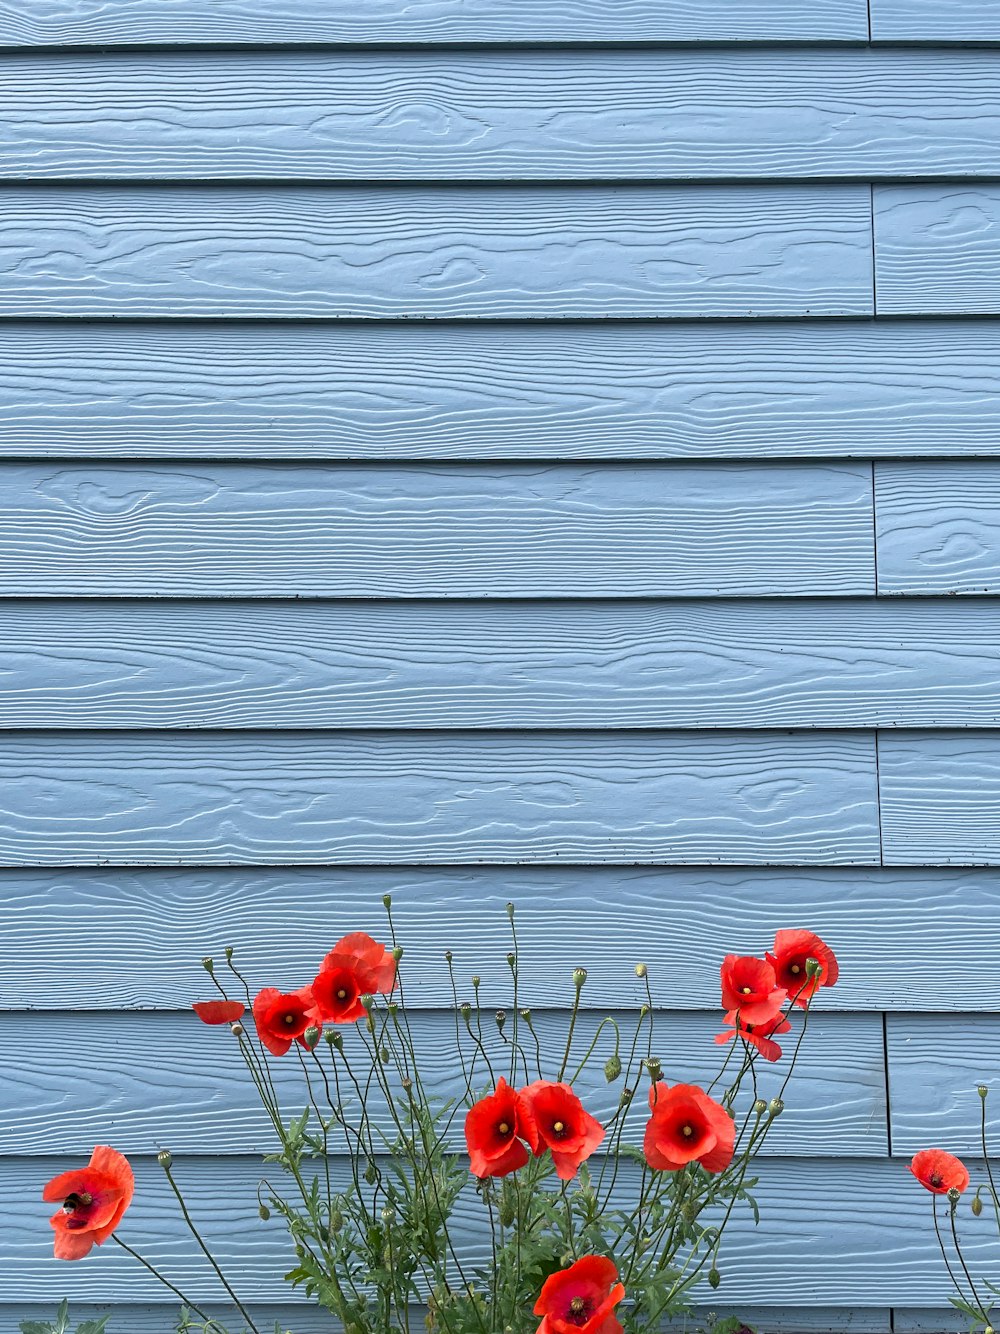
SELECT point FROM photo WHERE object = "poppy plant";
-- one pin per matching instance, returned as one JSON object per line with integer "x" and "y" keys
{"x": 492, "y": 1129}
{"x": 219, "y": 1011}
{"x": 687, "y": 1126}
{"x": 939, "y": 1172}
{"x": 759, "y": 1036}
{"x": 283, "y": 1017}
{"x": 93, "y": 1202}
{"x": 750, "y": 989}
{"x": 581, "y": 1299}
{"x": 792, "y": 950}
{"x": 557, "y": 1121}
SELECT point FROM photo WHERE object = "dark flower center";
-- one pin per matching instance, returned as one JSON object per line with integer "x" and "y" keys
{"x": 559, "y": 1129}
{"x": 290, "y": 1020}
{"x": 687, "y": 1131}
{"x": 342, "y": 994}
{"x": 77, "y": 1203}
{"x": 795, "y": 969}
{"x": 936, "y": 1179}
{"x": 579, "y": 1311}
{"x": 503, "y": 1128}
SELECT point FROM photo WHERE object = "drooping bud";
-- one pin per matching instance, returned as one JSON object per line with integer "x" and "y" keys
{"x": 977, "y": 1205}
{"x": 612, "y": 1068}
{"x": 714, "y": 1277}
{"x": 336, "y": 1221}
{"x": 310, "y": 1038}
{"x": 385, "y": 1055}
{"x": 775, "y": 1106}
{"x": 208, "y": 964}
{"x": 370, "y": 1174}
{"x": 264, "y": 1212}
{"x": 641, "y": 970}
{"x": 579, "y": 977}
{"x": 165, "y": 1158}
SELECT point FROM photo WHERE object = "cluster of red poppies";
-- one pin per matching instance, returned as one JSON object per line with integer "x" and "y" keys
{"x": 754, "y": 991}
{"x": 357, "y": 966}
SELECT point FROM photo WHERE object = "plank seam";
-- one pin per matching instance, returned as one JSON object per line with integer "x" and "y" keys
{"x": 878, "y": 801}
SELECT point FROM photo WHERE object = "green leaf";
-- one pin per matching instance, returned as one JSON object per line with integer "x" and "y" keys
{"x": 35, "y": 1327}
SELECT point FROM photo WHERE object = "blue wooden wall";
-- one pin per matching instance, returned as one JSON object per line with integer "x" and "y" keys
{"x": 479, "y": 450}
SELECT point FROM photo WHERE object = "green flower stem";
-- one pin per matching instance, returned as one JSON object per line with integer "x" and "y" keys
{"x": 944, "y": 1254}
{"x": 205, "y": 1251}
{"x": 965, "y": 1268}
{"x": 572, "y": 1026}
{"x": 590, "y": 1049}
{"x": 160, "y": 1278}
{"x": 986, "y": 1159}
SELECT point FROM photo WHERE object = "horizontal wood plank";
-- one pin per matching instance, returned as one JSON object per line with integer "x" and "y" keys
{"x": 301, "y": 798}
{"x": 930, "y": 21}
{"x": 936, "y": 1064}
{"x": 557, "y": 251}
{"x": 106, "y": 22}
{"x": 937, "y": 249}
{"x": 144, "y": 932}
{"x": 938, "y": 527}
{"x": 453, "y": 530}
{"x": 302, "y": 664}
{"x": 754, "y": 389}
{"x": 140, "y": 1080}
{"x": 844, "y": 1252}
{"x": 533, "y": 115}
{"x": 940, "y": 798}
{"x": 939, "y": 1320}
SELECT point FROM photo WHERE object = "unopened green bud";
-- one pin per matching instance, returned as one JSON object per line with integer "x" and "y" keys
{"x": 386, "y": 900}
{"x": 640, "y": 970}
{"x": 579, "y": 977}
{"x": 983, "y": 1091}
{"x": 775, "y": 1106}
{"x": 643, "y": 1011}
{"x": 336, "y": 1221}
{"x": 311, "y": 1036}
{"x": 977, "y": 1205}
{"x": 988, "y": 1329}
{"x": 397, "y": 952}
{"x": 385, "y": 1055}
{"x": 370, "y": 1173}
{"x": 264, "y": 1212}
{"x": 512, "y": 960}
{"x": 165, "y": 1158}
{"x": 714, "y": 1277}
{"x": 612, "y": 1069}
{"x": 507, "y": 1208}
{"x": 813, "y": 968}
{"x": 208, "y": 964}
{"x": 760, "y": 1107}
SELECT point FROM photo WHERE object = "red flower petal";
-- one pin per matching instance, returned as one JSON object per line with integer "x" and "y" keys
{"x": 218, "y": 1011}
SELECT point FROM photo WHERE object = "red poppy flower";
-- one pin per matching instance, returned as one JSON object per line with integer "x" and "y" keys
{"x": 759, "y": 1036}
{"x": 338, "y": 989}
{"x": 557, "y": 1121}
{"x": 93, "y": 1202}
{"x": 282, "y": 1018}
{"x": 687, "y": 1126}
{"x": 218, "y": 1011}
{"x": 939, "y": 1172}
{"x": 581, "y": 1299}
{"x": 791, "y": 950}
{"x": 370, "y": 957}
{"x": 492, "y": 1128}
{"x": 749, "y": 987}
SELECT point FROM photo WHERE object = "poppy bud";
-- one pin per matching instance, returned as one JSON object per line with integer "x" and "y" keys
{"x": 507, "y": 1209}
{"x": 476, "y": 980}
{"x": 760, "y": 1107}
{"x": 208, "y": 964}
{"x": 643, "y": 1011}
{"x": 813, "y": 968}
{"x": 512, "y": 960}
{"x": 397, "y": 952}
{"x": 448, "y": 956}
{"x": 385, "y": 1055}
{"x": 310, "y": 1037}
{"x": 501, "y": 1018}
{"x": 387, "y": 900}
{"x": 988, "y": 1329}
{"x": 336, "y": 1221}
{"x": 579, "y": 977}
{"x": 165, "y": 1158}
{"x": 335, "y": 1038}
{"x": 237, "y": 1029}
{"x": 370, "y": 1172}
{"x": 775, "y": 1106}
{"x": 982, "y": 1091}
{"x": 229, "y": 952}
{"x": 387, "y": 1215}
{"x": 510, "y": 911}
{"x": 612, "y": 1069}
{"x": 264, "y": 1212}
{"x": 977, "y": 1205}
{"x": 640, "y": 970}
{"x": 714, "y": 1277}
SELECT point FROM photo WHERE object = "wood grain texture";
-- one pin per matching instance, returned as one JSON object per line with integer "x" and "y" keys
{"x": 936, "y": 1063}
{"x": 938, "y": 1320}
{"x": 844, "y": 1253}
{"x": 558, "y": 251}
{"x": 937, "y": 249}
{"x": 140, "y": 1080}
{"x": 100, "y": 22}
{"x": 808, "y": 389}
{"x": 533, "y": 115}
{"x": 299, "y": 798}
{"x": 938, "y": 527}
{"x": 144, "y": 932}
{"x": 940, "y": 798}
{"x": 705, "y": 664}
{"x": 929, "y": 21}
{"x": 422, "y": 530}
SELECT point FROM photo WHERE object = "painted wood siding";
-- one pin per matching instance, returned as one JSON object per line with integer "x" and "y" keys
{"x": 479, "y": 451}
